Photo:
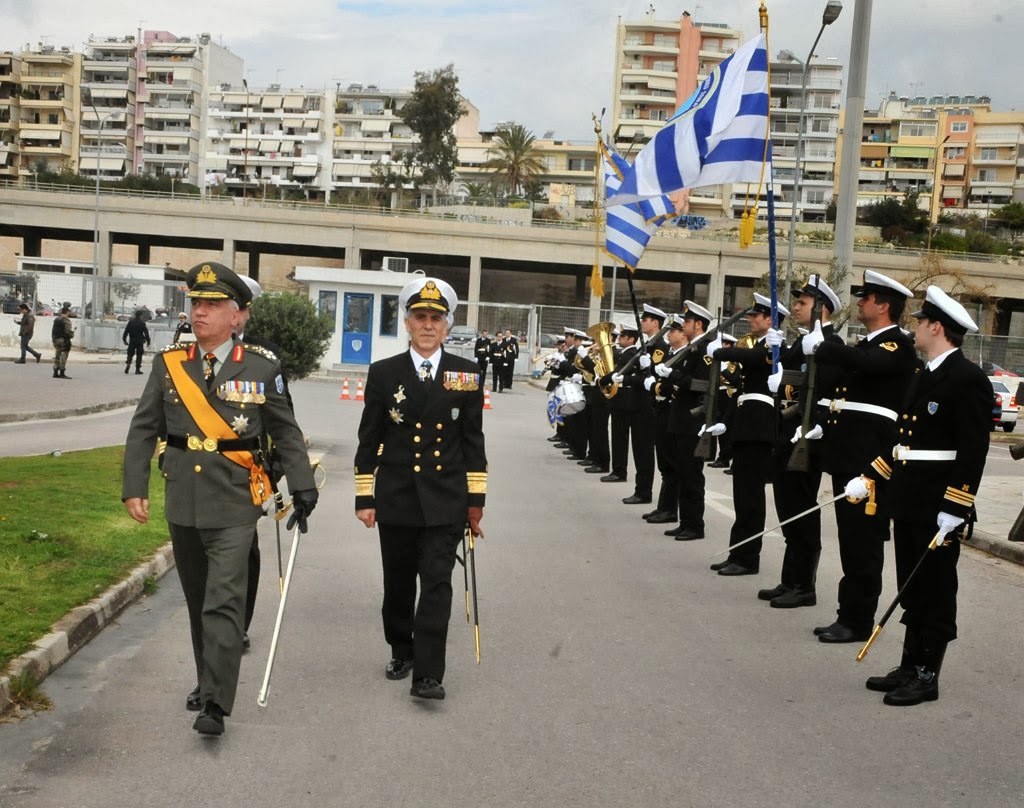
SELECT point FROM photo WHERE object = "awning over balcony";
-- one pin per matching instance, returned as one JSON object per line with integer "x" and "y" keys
{"x": 176, "y": 140}
{"x": 106, "y": 164}
{"x": 271, "y": 102}
{"x": 287, "y": 146}
{"x": 952, "y": 192}
{"x": 923, "y": 152}
{"x": 40, "y": 134}
{"x": 293, "y": 102}
{"x": 304, "y": 171}
{"x": 267, "y": 146}
{"x": 953, "y": 170}
{"x": 218, "y": 163}
{"x": 108, "y": 92}
{"x": 376, "y": 126}
{"x": 293, "y": 123}
{"x": 660, "y": 83}
{"x": 183, "y": 74}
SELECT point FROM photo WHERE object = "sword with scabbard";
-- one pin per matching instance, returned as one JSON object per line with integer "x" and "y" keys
{"x": 800, "y": 458}
{"x": 705, "y": 449}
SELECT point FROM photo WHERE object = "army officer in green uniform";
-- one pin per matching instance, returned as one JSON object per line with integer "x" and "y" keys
{"x": 213, "y": 399}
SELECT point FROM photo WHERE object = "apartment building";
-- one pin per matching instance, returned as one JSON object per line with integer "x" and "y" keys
{"x": 109, "y": 84}
{"x": 10, "y": 81}
{"x": 996, "y": 169}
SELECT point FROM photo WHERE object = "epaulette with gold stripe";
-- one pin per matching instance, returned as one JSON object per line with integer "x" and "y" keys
{"x": 960, "y": 496}
{"x": 259, "y": 349}
{"x": 883, "y": 468}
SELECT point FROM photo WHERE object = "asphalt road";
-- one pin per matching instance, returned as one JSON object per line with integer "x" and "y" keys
{"x": 617, "y": 671}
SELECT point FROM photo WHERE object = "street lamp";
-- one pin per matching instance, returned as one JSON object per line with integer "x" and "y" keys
{"x": 833, "y": 8}
{"x": 113, "y": 115}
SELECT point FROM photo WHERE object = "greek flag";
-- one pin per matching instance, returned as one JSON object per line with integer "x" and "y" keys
{"x": 628, "y": 228}
{"x": 718, "y": 136}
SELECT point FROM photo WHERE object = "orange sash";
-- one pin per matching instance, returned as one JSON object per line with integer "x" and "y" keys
{"x": 214, "y": 426}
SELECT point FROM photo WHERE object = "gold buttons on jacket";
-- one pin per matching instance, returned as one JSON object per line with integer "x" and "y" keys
{"x": 440, "y": 426}
{"x": 198, "y": 469}
{"x": 419, "y": 426}
{"x": 437, "y": 441}
{"x": 416, "y": 468}
{"x": 418, "y": 455}
{"x": 437, "y": 452}
{"x": 438, "y": 468}
{"x": 416, "y": 438}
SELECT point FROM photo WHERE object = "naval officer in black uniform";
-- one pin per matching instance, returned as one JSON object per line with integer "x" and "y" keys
{"x": 421, "y": 477}
{"x": 931, "y": 478}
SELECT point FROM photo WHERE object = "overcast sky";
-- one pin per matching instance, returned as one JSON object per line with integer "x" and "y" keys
{"x": 544, "y": 63}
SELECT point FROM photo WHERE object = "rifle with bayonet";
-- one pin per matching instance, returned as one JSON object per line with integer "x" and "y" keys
{"x": 705, "y": 448}
{"x": 703, "y": 340}
{"x": 800, "y": 459}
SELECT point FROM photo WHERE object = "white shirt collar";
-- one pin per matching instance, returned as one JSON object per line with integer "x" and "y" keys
{"x": 874, "y": 334}
{"x": 417, "y": 360}
{"x": 933, "y": 364}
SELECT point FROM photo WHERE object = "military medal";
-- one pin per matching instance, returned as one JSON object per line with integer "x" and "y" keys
{"x": 239, "y": 424}
{"x": 396, "y": 415}
{"x": 400, "y": 395}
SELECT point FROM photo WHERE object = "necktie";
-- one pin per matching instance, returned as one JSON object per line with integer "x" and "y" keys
{"x": 425, "y": 367}
{"x": 208, "y": 372}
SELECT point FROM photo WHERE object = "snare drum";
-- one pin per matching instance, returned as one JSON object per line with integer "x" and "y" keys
{"x": 572, "y": 398}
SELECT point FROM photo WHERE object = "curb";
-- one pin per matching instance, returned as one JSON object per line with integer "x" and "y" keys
{"x": 994, "y": 545}
{"x": 17, "y": 417}
{"x": 83, "y": 623}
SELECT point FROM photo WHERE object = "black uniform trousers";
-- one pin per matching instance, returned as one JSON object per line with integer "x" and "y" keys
{"x": 664, "y": 454}
{"x": 497, "y": 377}
{"x": 135, "y": 350}
{"x": 929, "y": 604}
{"x": 621, "y": 420}
{"x": 640, "y": 435}
{"x": 213, "y": 570}
{"x": 597, "y": 415}
{"x": 575, "y": 431}
{"x": 690, "y": 471}
{"x": 862, "y": 553}
{"x": 418, "y": 631}
{"x": 252, "y": 580}
{"x": 751, "y": 470}
{"x": 795, "y": 492}
{"x": 507, "y": 372}
{"x": 725, "y": 440}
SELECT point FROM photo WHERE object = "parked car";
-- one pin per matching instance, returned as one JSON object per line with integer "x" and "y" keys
{"x": 992, "y": 369}
{"x": 1006, "y": 415}
{"x": 461, "y": 334}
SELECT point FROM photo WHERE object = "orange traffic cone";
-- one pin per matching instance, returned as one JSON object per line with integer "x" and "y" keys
{"x": 344, "y": 391}
{"x": 487, "y": 399}
{"x": 359, "y": 391}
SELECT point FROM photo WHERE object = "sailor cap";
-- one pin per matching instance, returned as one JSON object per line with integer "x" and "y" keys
{"x": 696, "y": 311}
{"x": 877, "y": 282}
{"x": 763, "y": 305}
{"x": 941, "y": 308}
{"x": 653, "y": 311}
{"x": 428, "y": 293}
{"x": 815, "y": 286}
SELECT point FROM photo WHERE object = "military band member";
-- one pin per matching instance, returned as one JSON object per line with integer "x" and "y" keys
{"x": 421, "y": 477}
{"x": 725, "y": 406}
{"x": 213, "y": 400}
{"x": 497, "y": 357}
{"x": 623, "y": 408}
{"x": 511, "y": 353}
{"x": 596, "y": 412}
{"x": 861, "y": 425}
{"x": 797, "y": 491}
{"x": 686, "y": 419}
{"x": 931, "y": 479}
{"x": 482, "y": 352}
{"x": 753, "y": 436}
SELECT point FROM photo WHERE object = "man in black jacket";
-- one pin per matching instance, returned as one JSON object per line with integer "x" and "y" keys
{"x": 931, "y": 479}
{"x": 135, "y": 336}
{"x": 421, "y": 477}
{"x": 863, "y": 406}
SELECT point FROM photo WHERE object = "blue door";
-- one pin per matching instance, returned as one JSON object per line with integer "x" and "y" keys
{"x": 355, "y": 336}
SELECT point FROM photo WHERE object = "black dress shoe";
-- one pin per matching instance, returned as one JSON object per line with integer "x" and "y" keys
{"x": 561, "y": 445}
{"x": 635, "y": 500}
{"x": 427, "y": 689}
{"x": 661, "y": 518}
{"x": 923, "y": 687}
{"x": 895, "y": 678}
{"x": 595, "y": 470}
{"x": 795, "y": 598}
{"x": 718, "y": 464}
{"x": 210, "y": 720}
{"x": 674, "y": 531}
{"x": 840, "y": 633}
{"x": 727, "y": 471}
{"x": 737, "y": 569}
{"x": 774, "y": 592}
{"x": 398, "y": 668}
{"x": 720, "y": 565}
{"x": 246, "y": 643}
{"x": 690, "y": 534}
{"x": 819, "y": 630}
{"x": 568, "y": 451}
{"x": 585, "y": 462}
{"x": 649, "y": 514}
{"x": 613, "y": 478}
{"x": 193, "y": 702}
{"x": 554, "y": 439}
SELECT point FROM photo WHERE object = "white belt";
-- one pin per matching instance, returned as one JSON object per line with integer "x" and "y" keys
{"x": 840, "y": 404}
{"x": 906, "y": 453}
{"x": 756, "y": 397}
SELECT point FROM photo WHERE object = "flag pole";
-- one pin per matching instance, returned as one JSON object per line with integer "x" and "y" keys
{"x": 773, "y": 267}
{"x": 596, "y": 281}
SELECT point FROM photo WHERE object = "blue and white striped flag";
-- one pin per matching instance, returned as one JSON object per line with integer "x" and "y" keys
{"x": 718, "y": 136}
{"x": 628, "y": 228}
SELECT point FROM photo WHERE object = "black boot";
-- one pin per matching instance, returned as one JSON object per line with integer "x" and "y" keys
{"x": 64, "y": 374}
{"x": 901, "y": 675}
{"x": 925, "y": 684}
{"x": 56, "y": 373}
{"x": 796, "y": 597}
{"x": 126, "y": 368}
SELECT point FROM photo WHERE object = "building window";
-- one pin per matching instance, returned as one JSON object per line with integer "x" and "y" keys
{"x": 955, "y": 152}
{"x": 958, "y": 126}
{"x": 917, "y": 129}
{"x": 327, "y": 308}
{"x": 389, "y": 315}
{"x": 989, "y": 154}
{"x": 986, "y": 175}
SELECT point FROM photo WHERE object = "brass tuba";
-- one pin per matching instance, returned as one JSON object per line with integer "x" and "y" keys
{"x": 604, "y": 359}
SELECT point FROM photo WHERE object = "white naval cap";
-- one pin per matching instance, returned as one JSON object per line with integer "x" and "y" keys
{"x": 727, "y": 337}
{"x": 428, "y": 293}
{"x": 675, "y": 321}
{"x": 629, "y": 329}
{"x": 815, "y": 286}
{"x": 580, "y": 334}
{"x": 653, "y": 311}
{"x": 877, "y": 282}
{"x": 763, "y": 305}
{"x": 253, "y": 285}
{"x": 691, "y": 309}
{"x": 941, "y": 308}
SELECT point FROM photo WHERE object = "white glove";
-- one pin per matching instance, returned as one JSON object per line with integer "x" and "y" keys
{"x": 576, "y": 377}
{"x": 649, "y": 382}
{"x": 813, "y": 339}
{"x": 663, "y": 371}
{"x": 775, "y": 337}
{"x": 645, "y": 360}
{"x": 557, "y": 357}
{"x": 775, "y": 380}
{"x": 713, "y": 346}
{"x": 857, "y": 489}
{"x": 617, "y": 378}
{"x": 816, "y": 433}
{"x": 714, "y": 430}
{"x": 947, "y": 524}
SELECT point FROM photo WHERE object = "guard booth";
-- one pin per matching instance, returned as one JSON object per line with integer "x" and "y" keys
{"x": 363, "y": 306}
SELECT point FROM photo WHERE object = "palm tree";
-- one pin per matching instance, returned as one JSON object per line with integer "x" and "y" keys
{"x": 516, "y": 159}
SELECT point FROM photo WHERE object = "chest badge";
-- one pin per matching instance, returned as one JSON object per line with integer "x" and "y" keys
{"x": 396, "y": 416}
{"x": 239, "y": 424}
{"x": 400, "y": 396}
{"x": 933, "y": 407}
{"x": 455, "y": 413}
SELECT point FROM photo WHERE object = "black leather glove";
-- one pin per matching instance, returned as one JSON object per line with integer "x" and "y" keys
{"x": 303, "y": 503}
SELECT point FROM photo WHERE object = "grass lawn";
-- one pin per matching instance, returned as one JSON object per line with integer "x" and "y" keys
{"x": 64, "y": 538}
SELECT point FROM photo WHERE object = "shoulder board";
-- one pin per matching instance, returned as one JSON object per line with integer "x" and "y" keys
{"x": 259, "y": 349}
{"x": 180, "y": 346}
{"x": 889, "y": 346}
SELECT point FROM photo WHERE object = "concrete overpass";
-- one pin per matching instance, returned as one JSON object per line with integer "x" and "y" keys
{"x": 468, "y": 253}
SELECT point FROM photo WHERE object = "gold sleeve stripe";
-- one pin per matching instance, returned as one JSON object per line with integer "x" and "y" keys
{"x": 879, "y": 465}
{"x": 364, "y": 485}
{"x": 380, "y": 450}
{"x": 959, "y": 497}
{"x": 476, "y": 482}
